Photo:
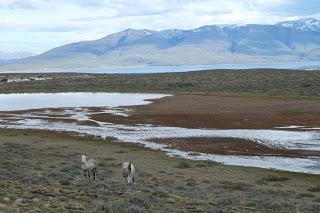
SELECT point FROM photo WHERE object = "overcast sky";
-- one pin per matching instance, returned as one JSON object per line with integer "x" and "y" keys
{"x": 38, "y": 25}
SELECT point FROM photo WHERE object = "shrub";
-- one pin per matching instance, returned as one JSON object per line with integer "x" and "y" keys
{"x": 314, "y": 189}
{"x": 191, "y": 182}
{"x": 64, "y": 182}
{"x": 183, "y": 165}
{"x": 133, "y": 209}
{"x": 140, "y": 201}
{"x": 273, "y": 178}
{"x": 235, "y": 186}
{"x": 121, "y": 151}
{"x": 309, "y": 195}
{"x": 160, "y": 193}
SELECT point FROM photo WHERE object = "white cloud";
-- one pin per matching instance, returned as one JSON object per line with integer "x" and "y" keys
{"x": 63, "y": 21}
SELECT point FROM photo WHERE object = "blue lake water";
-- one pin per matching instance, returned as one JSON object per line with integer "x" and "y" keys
{"x": 306, "y": 65}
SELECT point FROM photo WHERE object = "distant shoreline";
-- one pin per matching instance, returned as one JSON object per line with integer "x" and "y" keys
{"x": 279, "y": 83}
{"x": 300, "y": 65}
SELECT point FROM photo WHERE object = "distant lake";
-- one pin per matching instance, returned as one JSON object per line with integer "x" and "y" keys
{"x": 306, "y": 65}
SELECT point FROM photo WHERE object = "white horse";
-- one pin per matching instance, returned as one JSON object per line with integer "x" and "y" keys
{"x": 89, "y": 167}
{"x": 128, "y": 171}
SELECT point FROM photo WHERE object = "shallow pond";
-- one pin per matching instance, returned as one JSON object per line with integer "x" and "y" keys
{"x": 42, "y": 120}
{"x": 26, "y": 101}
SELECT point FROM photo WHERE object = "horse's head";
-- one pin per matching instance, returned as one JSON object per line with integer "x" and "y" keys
{"x": 83, "y": 158}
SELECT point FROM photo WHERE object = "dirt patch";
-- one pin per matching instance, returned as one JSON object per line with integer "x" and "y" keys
{"x": 64, "y": 120}
{"x": 87, "y": 123}
{"x": 196, "y": 111}
{"x": 227, "y": 146}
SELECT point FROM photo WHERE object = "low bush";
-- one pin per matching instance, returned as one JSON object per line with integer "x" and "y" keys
{"x": 273, "y": 178}
{"x": 183, "y": 165}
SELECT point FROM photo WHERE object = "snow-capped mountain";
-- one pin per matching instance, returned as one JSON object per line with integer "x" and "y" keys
{"x": 286, "y": 41}
{"x": 308, "y": 25}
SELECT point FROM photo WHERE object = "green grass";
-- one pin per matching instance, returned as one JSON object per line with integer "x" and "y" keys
{"x": 261, "y": 82}
{"x": 41, "y": 171}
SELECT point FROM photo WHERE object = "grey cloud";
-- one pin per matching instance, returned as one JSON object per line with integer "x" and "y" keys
{"x": 21, "y": 4}
{"x": 88, "y": 3}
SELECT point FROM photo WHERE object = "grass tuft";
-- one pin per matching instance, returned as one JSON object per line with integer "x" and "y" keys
{"x": 274, "y": 178}
{"x": 183, "y": 165}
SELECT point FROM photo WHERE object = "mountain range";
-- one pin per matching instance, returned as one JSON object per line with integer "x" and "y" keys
{"x": 286, "y": 41}
{"x": 14, "y": 55}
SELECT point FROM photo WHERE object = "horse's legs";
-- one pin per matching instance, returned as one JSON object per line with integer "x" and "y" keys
{"x": 94, "y": 175}
{"x": 84, "y": 174}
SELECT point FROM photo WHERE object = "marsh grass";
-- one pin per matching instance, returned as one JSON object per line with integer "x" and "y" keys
{"x": 274, "y": 178}
{"x": 235, "y": 186}
{"x": 183, "y": 165}
{"x": 285, "y": 83}
{"x": 308, "y": 195}
{"x": 314, "y": 189}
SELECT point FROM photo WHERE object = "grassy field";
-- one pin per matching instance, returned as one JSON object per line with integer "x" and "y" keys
{"x": 262, "y": 82}
{"x": 40, "y": 172}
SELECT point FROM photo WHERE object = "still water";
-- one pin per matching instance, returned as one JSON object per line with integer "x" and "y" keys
{"x": 169, "y": 69}
{"x": 26, "y": 101}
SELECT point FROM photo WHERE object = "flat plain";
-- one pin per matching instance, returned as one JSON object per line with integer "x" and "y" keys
{"x": 40, "y": 171}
